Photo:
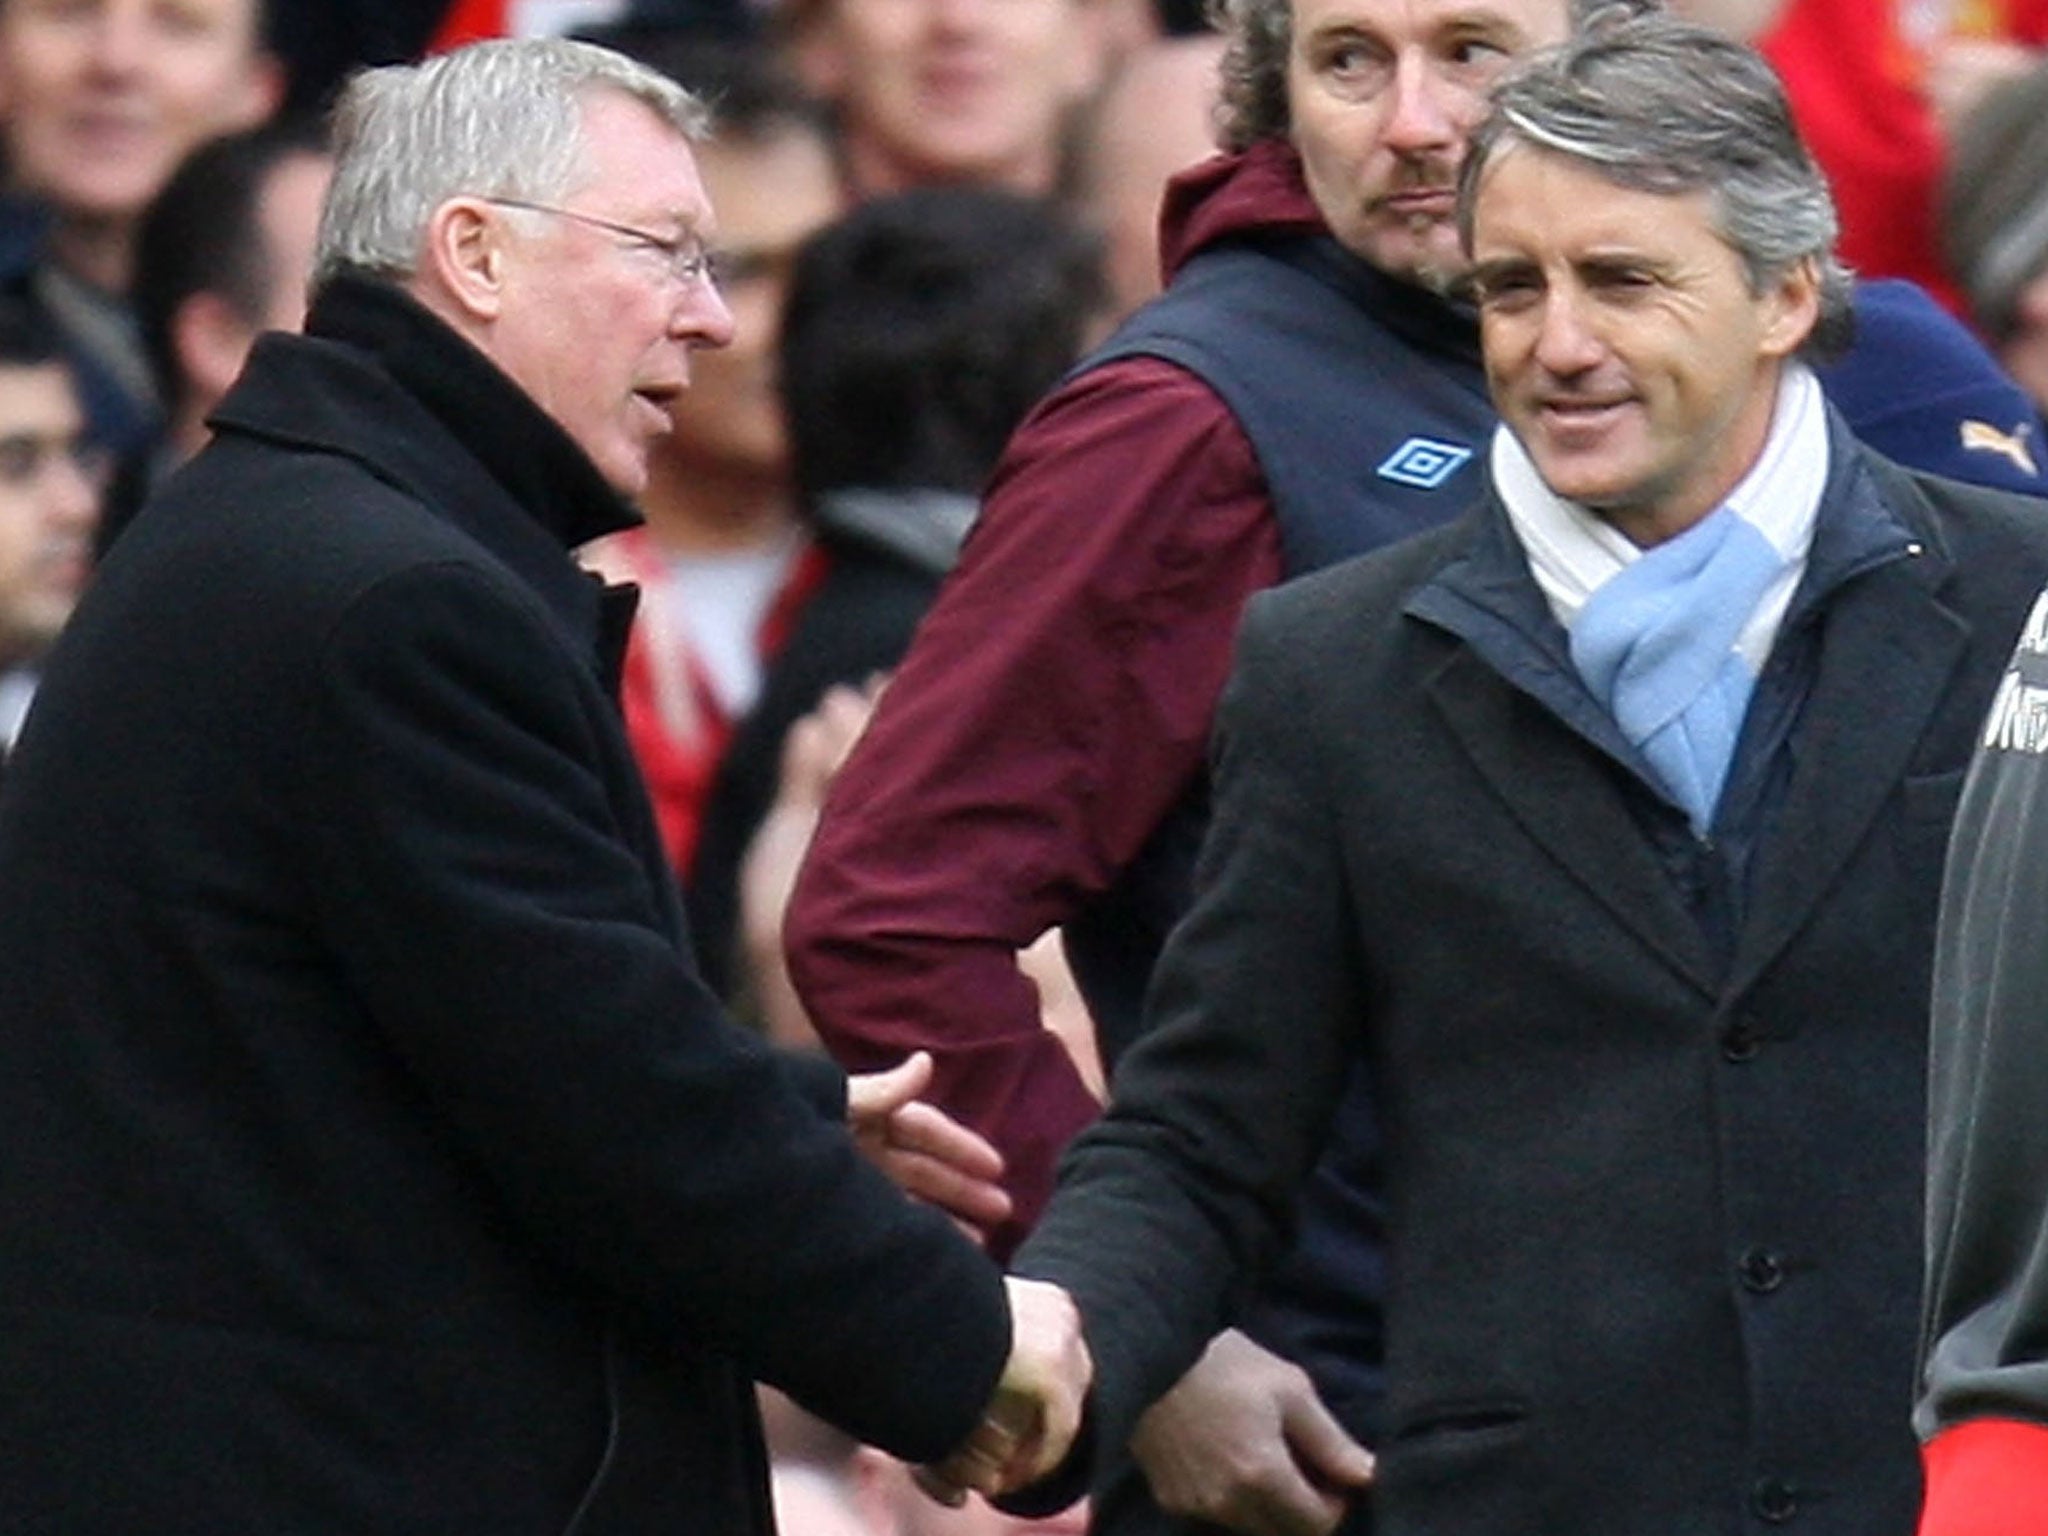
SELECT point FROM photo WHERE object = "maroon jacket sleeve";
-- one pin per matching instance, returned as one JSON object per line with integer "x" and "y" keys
{"x": 1054, "y": 705}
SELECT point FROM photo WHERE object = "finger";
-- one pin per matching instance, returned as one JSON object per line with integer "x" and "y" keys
{"x": 1043, "y": 1430}
{"x": 1279, "y": 1501}
{"x": 934, "y": 1484}
{"x": 938, "y": 1184}
{"x": 1056, "y": 1438}
{"x": 922, "y": 1127}
{"x": 1323, "y": 1448}
{"x": 984, "y": 1463}
{"x": 872, "y": 1095}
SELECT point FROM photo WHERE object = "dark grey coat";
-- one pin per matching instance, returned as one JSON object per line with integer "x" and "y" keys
{"x": 1653, "y": 1212}
{"x": 371, "y": 1159}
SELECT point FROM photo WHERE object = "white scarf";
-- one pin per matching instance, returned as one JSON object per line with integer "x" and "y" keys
{"x": 1677, "y": 702}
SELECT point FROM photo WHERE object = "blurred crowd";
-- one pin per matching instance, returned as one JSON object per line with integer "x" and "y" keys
{"x": 927, "y": 212}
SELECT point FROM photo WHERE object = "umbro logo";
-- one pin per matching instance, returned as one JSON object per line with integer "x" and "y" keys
{"x": 1424, "y": 463}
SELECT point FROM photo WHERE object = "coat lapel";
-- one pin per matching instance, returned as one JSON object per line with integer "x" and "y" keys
{"x": 1887, "y": 656}
{"x": 1566, "y": 794}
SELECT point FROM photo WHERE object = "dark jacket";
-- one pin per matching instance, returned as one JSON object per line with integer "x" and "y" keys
{"x": 1652, "y": 1210}
{"x": 1983, "y": 1406}
{"x": 371, "y": 1158}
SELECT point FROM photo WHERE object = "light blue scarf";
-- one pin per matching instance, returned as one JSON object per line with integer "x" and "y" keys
{"x": 1671, "y": 639}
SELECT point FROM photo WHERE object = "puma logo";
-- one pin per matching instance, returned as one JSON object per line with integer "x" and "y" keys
{"x": 2013, "y": 444}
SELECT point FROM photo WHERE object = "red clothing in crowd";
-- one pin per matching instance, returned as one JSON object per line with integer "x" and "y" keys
{"x": 1055, "y": 705}
{"x": 470, "y": 21}
{"x": 677, "y": 725}
{"x": 1987, "y": 1477}
{"x": 1854, "y": 70}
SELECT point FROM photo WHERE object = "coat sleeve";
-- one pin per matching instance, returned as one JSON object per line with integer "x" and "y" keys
{"x": 477, "y": 876}
{"x": 1219, "y": 1109}
{"x": 1983, "y": 1409}
{"x": 1053, "y": 707}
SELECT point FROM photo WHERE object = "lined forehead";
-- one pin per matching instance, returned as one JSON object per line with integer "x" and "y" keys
{"x": 1520, "y": 22}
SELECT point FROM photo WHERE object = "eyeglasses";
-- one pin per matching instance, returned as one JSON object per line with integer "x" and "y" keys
{"x": 687, "y": 261}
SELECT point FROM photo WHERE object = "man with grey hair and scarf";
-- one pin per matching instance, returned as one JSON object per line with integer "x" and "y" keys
{"x": 371, "y": 1157}
{"x": 1605, "y": 825}
{"x": 1308, "y": 388}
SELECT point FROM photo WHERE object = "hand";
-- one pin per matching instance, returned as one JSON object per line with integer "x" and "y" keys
{"x": 925, "y": 1151}
{"x": 818, "y": 744}
{"x": 1030, "y": 1424}
{"x": 1243, "y": 1441}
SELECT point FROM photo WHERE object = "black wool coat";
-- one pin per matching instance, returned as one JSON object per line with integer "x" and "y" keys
{"x": 371, "y": 1158}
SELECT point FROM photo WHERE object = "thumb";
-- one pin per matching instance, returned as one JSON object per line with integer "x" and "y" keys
{"x": 1322, "y": 1448}
{"x": 869, "y": 1094}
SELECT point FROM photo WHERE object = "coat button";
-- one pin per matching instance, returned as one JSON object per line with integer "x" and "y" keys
{"x": 1774, "y": 1501}
{"x": 1761, "y": 1270}
{"x": 1741, "y": 1040}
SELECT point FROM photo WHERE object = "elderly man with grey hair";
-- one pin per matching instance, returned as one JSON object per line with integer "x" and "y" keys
{"x": 1605, "y": 826}
{"x": 371, "y": 1158}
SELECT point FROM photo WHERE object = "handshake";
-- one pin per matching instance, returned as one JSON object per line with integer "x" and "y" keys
{"x": 1030, "y": 1424}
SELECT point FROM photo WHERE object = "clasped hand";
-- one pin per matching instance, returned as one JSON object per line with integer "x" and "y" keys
{"x": 1030, "y": 1424}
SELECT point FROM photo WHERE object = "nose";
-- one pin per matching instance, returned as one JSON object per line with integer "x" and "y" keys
{"x": 954, "y": 16}
{"x": 1565, "y": 344}
{"x": 701, "y": 317}
{"x": 120, "y": 38}
{"x": 1420, "y": 120}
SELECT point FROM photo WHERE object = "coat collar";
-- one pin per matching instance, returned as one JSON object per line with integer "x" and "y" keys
{"x": 388, "y": 332}
{"x": 379, "y": 380}
{"x": 1888, "y": 649}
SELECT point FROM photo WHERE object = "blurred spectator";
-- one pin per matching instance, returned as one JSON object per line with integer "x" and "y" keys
{"x": 1988, "y": 42}
{"x": 919, "y": 331}
{"x": 1877, "y": 86}
{"x": 49, "y": 495}
{"x": 103, "y": 99}
{"x": 322, "y": 42}
{"x": 1995, "y": 219}
{"x": 722, "y": 562}
{"x": 1157, "y": 116}
{"x": 224, "y": 253}
{"x": 926, "y": 92}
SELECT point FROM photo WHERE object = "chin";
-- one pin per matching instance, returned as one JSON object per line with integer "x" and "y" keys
{"x": 1418, "y": 261}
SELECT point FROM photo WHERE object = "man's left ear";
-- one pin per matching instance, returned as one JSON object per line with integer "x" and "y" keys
{"x": 1794, "y": 308}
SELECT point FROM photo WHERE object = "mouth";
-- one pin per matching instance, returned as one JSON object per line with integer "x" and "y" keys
{"x": 951, "y": 82}
{"x": 660, "y": 401}
{"x": 1570, "y": 416}
{"x": 1432, "y": 201}
{"x": 110, "y": 127}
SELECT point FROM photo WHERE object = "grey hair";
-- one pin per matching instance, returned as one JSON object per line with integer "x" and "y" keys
{"x": 496, "y": 119}
{"x": 1660, "y": 105}
{"x": 1258, "y": 35}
